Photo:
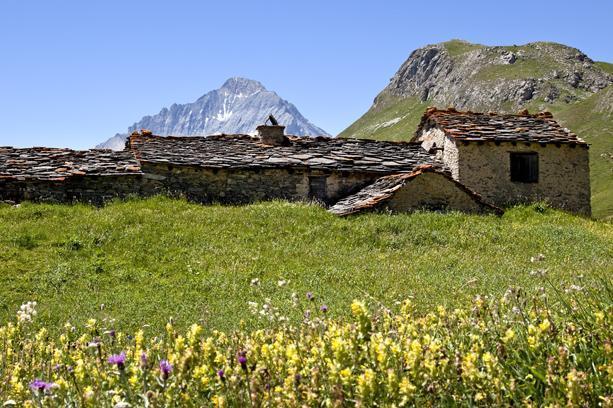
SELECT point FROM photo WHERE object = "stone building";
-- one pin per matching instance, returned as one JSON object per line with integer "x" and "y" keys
{"x": 510, "y": 159}
{"x": 456, "y": 161}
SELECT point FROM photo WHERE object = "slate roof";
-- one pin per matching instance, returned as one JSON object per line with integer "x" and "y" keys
{"x": 244, "y": 151}
{"x": 57, "y": 164}
{"x": 384, "y": 188}
{"x": 496, "y": 127}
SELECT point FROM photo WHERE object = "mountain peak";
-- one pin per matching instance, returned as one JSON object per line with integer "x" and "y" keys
{"x": 242, "y": 85}
{"x": 238, "y": 106}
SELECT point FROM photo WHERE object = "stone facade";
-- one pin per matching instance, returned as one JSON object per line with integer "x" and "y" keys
{"x": 563, "y": 174}
{"x": 563, "y": 179}
{"x": 444, "y": 147}
{"x": 424, "y": 189}
{"x": 477, "y": 149}
{"x": 434, "y": 191}
{"x": 240, "y": 186}
{"x": 85, "y": 189}
{"x": 464, "y": 161}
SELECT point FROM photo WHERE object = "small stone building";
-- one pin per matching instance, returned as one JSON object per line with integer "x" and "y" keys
{"x": 456, "y": 161}
{"x": 510, "y": 159}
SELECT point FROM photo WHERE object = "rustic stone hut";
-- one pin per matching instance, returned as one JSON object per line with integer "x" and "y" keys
{"x": 510, "y": 159}
{"x": 456, "y": 161}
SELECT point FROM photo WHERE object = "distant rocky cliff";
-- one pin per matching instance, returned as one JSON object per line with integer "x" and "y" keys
{"x": 471, "y": 76}
{"x": 237, "y": 107}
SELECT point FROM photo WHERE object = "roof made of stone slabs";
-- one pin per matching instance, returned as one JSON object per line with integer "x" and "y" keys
{"x": 45, "y": 163}
{"x": 497, "y": 127}
{"x": 244, "y": 151}
{"x": 384, "y": 188}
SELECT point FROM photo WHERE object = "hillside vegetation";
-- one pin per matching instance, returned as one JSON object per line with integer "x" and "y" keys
{"x": 143, "y": 261}
{"x": 537, "y": 76}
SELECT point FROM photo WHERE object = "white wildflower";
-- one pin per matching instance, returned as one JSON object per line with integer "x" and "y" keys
{"x": 574, "y": 288}
{"x": 539, "y": 273}
{"x": 253, "y": 307}
{"x": 255, "y": 282}
{"x": 537, "y": 258}
{"x": 26, "y": 312}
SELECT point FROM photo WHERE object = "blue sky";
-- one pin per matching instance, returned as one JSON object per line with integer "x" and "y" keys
{"x": 73, "y": 73}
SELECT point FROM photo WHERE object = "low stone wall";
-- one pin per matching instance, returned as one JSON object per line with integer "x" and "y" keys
{"x": 87, "y": 189}
{"x": 204, "y": 185}
{"x": 239, "y": 186}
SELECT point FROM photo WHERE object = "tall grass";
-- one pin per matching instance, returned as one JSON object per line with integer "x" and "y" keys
{"x": 142, "y": 261}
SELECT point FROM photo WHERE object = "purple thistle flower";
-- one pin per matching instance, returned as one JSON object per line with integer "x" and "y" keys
{"x": 221, "y": 374}
{"x": 118, "y": 359}
{"x": 165, "y": 368}
{"x": 242, "y": 360}
{"x": 310, "y": 296}
{"x": 143, "y": 359}
{"x": 40, "y": 385}
{"x": 324, "y": 308}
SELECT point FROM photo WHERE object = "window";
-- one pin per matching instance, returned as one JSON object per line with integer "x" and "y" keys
{"x": 525, "y": 167}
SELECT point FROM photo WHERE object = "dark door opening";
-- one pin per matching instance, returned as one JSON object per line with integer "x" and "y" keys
{"x": 317, "y": 188}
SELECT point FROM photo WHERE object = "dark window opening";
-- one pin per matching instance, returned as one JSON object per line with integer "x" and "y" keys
{"x": 317, "y": 188}
{"x": 525, "y": 167}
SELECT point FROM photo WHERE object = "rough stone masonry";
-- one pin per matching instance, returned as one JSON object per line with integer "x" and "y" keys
{"x": 464, "y": 161}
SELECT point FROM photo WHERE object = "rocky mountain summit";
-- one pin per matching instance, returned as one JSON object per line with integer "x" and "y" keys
{"x": 237, "y": 107}
{"x": 469, "y": 76}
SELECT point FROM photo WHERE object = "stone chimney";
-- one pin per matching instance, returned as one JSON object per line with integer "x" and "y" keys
{"x": 273, "y": 134}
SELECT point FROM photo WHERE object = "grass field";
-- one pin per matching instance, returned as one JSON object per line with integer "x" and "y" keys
{"x": 148, "y": 260}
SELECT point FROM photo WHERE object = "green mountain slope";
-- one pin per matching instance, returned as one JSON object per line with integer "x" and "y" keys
{"x": 536, "y": 76}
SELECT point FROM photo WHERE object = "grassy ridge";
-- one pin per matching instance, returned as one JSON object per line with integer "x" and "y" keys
{"x": 395, "y": 119}
{"x": 146, "y": 260}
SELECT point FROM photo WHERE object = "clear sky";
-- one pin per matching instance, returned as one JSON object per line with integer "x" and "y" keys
{"x": 75, "y": 72}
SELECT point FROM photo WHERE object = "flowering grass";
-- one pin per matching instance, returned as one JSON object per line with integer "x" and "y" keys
{"x": 515, "y": 350}
{"x": 142, "y": 261}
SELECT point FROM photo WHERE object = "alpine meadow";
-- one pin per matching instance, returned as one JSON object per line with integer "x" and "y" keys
{"x": 201, "y": 207}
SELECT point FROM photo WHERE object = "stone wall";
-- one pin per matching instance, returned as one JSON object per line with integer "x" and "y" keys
{"x": 485, "y": 168}
{"x": 87, "y": 189}
{"x": 434, "y": 191}
{"x": 446, "y": 150}
{"x": 237, "y": 186}
{"x": 563, "y": 175}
